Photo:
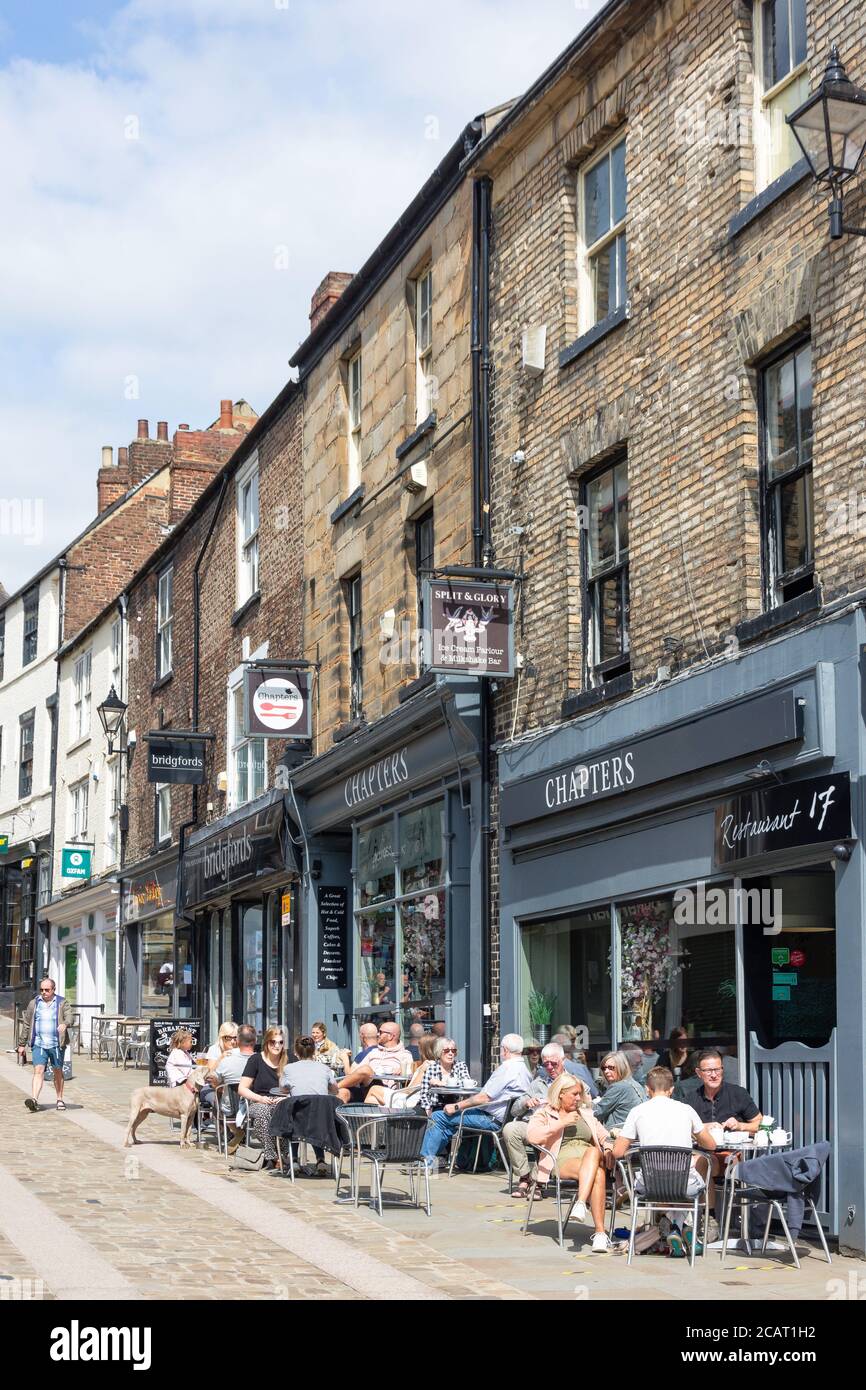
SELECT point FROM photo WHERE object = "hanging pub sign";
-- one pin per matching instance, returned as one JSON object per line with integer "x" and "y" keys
{"x": 176, "y": 757}
{"x": 783, "y": 817}
{"x": 278, "y": 702}
{"x": 470, "y": 629}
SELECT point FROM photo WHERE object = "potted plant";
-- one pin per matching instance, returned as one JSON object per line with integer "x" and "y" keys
{"x": 541, "y": 1004}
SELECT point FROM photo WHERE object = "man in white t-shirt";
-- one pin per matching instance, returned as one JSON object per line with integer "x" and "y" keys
{"x": 667, "y": 1123}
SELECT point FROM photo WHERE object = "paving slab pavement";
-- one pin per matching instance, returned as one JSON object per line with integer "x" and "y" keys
{"x": 472, "y": 1247}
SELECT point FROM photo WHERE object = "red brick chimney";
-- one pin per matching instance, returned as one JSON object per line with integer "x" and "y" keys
{"x": 199, "y": 454}
{"x": 327, "y": 295}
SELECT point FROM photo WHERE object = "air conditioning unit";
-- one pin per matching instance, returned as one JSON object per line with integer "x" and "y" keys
{"x": 534, "y": 348}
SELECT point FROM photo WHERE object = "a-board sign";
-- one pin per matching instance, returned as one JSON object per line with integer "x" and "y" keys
{"x": 333, "y": 937}
{"x": 162, "y": 1030}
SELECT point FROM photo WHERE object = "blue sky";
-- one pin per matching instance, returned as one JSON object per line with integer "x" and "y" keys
{"x": 162, "y": 157}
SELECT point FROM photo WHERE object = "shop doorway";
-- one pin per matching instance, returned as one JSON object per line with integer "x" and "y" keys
{"x": 70, "y": 974}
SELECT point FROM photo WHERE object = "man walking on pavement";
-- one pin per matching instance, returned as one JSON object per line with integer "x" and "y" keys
{"x": 45, "y": 1029}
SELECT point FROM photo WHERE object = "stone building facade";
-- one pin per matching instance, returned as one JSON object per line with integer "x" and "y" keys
{"x": 678, "y": 473}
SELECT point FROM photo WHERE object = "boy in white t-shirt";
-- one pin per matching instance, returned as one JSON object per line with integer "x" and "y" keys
{"x": 667, "y": 1123}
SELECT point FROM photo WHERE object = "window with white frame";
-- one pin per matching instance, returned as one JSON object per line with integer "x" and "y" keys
{"x": 247, "y": 755}
{"x": 781, "y": 84}
{"x": 248, "y": 530}
{"x": 115, "y": 793}
{"x": 78, "y": 803}
{"x": 424, "y": 383}
{"x": 602, "y": 235}
{"x": 117, "y": 654}
{"x": 81, "y": 697}
{"x": 354, "y": 382}
{"x": 163, "y": 812}
{"x": 164, "y": 623}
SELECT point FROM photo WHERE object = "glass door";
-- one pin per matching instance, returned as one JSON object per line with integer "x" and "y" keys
{"x": 252, "y": 965}
{"x": 183, "y": 972}
{"x": 109, "y": 971}
{"x": 70, "y": 974}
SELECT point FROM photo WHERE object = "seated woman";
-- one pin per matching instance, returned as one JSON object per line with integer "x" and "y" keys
{"x": 227, "y": 1038}
{"x": 622, "y": 1093}
{"x": 179, "y": 1065}
{"x": 566, "y": 1126}
{"x": 444, "y": 1068}
{"x": 261, "y": 1076}
{"x": 680, "y": 1056}
{"x": 410, "y": 1097}
{"x": 327, "y": 1051}
{"x": 307, "y": 1076}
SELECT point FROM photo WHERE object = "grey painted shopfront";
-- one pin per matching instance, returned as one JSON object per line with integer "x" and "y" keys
{"x": 618, "y": 830}
{"x": 390, "y": 905}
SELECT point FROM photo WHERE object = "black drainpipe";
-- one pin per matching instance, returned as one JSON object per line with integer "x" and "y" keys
{"x": 482, "y": 553}
{"x": 196, "y": 645}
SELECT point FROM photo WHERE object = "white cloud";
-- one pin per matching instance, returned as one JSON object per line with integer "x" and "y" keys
{"x": 258, "y": 127}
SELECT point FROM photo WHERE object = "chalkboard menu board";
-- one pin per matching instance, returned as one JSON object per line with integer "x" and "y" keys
{"x": 333, "y": 938}
{"x": 162, "y": 1030}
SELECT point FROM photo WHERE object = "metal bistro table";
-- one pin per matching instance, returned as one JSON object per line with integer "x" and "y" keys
{"x": 448, "y": 1088}
{"x": 100, "y": 1027}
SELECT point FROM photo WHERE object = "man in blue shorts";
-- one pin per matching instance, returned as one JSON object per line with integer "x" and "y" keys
{"x": 45, "y": 1028}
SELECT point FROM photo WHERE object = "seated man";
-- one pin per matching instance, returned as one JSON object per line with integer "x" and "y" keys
{"x": 553, "y": 1064}
{"x": 488, "y": 1107}
{"x": 720, "y": 1102}
{"x": 667, "y": 1123}
{"x": 388, "y": 1058}
{"x": 369, "y": 1035}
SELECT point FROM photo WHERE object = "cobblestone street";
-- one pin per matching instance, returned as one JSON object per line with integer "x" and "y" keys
{"x": 81, "y": 1217}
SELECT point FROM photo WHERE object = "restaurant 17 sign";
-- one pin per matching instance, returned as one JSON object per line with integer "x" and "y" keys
{"x": 277, "y": 703}
{"x": 470, "y": 627}
{"x": 795, "y": 814}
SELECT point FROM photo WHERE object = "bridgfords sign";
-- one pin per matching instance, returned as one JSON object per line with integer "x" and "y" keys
{"x": 175, "y": 760}
{"x": 251, "y": 848}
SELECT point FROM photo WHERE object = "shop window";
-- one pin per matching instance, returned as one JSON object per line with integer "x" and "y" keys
{"x": 786, "y": 405}
{"x": 602, "y": 236}
{"x": 604, "y": 497}
{"x": 781, "y": 84}
{"x": 425, "y": 385}
{"x": 247, "y": 754}
{"x": 566, "y": 959}
{"x": 157, "y": 965}
{"x": 251, "y": 955}
{"x": 25, "y": 754}
{"x": 164, "y": 623}
{"x": 247, "y": 501}
{"x": 354, "y": 404}
{"x": 70, "y": 974}
{"x": 790, "y": 975}
{"x": 401, "y": 924}
{"x": 81, "y": 697}
{"x": 11, "y": 928}
{"x": 31, "y": 625}
{"x": 352, "y": 596}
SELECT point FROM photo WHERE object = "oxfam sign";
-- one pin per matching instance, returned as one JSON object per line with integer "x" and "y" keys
{"x": 277, "y": 703}
{"x": 75, "y": 863}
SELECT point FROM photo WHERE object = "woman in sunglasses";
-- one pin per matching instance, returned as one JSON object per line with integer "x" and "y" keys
{"x": 262, "y": 1075}
{"x": 444, "y": 1068}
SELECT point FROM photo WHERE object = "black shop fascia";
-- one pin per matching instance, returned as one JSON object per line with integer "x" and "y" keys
{"x": 239, "y": 879}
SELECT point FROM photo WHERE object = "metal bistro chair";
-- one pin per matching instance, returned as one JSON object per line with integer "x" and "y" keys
{"x": 399, "y": 1141}
{"x": 665, "y": 1183}
{"x": 738, "y": 1193}
{"x": 353, "y": 1116}
{"x": 225, "y": 1108}
{"x": 569, "y": 1187}
{"x": 479, "y": 1134}
{"x": 135, "y": 1045}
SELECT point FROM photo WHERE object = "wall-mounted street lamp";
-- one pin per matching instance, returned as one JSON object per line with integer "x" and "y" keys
{"x": 111, "y": 715}
{"x": 830, "y": 128}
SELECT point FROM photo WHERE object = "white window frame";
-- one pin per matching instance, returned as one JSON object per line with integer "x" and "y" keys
{"x": 355, "y": 408}
{"x": 164, "y": 622}
{"x": 248, "y": 524}
{"x": 586, "y": 253}
{"x": 79, "y": 806}
{"x": 162, "y": 793}
{"x": 114, "y": 769}
{"x": 235, "y": 742}
{"x": 424, "y": 395}
{"x": 768, "y": 162}
{"x": 117, "y": 655}
{"x": 81, "y": 686}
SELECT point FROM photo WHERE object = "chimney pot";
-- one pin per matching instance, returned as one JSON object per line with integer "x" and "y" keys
{"x": 162, "y": 430}
{"x": 143, "y": 429}
{"x": 122, "y": 456}
{"x": 107, "y": 456}
{"x": 226, "y": 415}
